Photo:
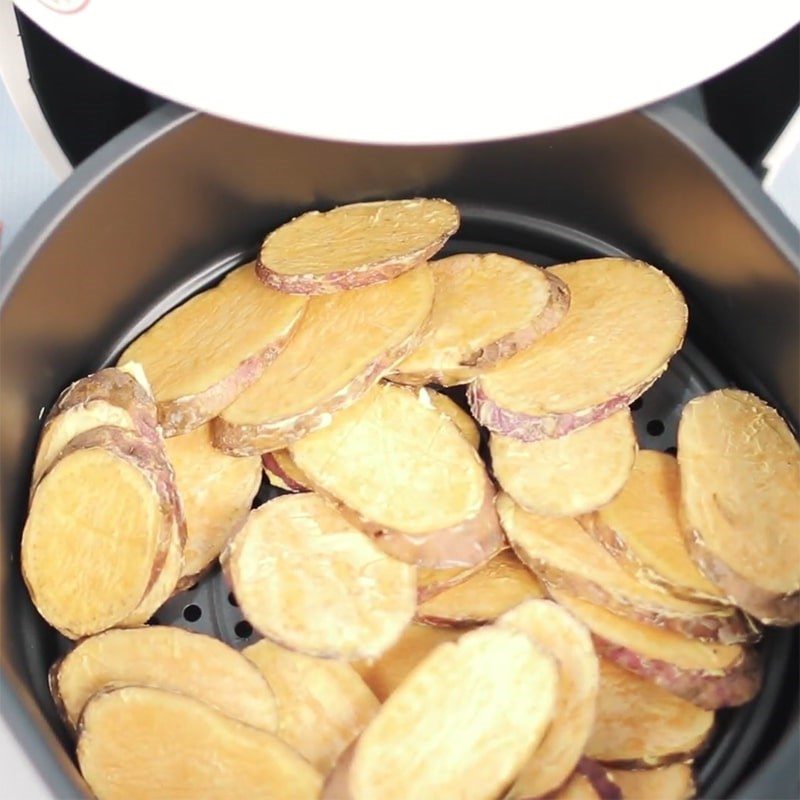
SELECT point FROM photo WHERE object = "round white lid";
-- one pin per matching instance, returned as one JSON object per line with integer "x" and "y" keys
{"x": 415, "y": 71}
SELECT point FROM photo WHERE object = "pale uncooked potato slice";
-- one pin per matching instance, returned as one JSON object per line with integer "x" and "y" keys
{"x": 740, "y": 498}
{"x": 461, "y": 724}
{"x": 708, "y": 674}
{"x": 112, "y": 396}
{"x": 307, "y": 579}
{"x": 100, "y": 527}
{"x": 383, "y": 675}
{"x": 641, "y": 528}
{"x": 486, "y": 308}
{"x": 490, "y": 591}
{"x": 639, "y": 724}
{"x": 565, "y": 557}
{"x": 569, "y": 642}
{"x": 674, "y": 782}
{"x": 165, "y": 658}
{"x": 216, "y": 490}
{"x": 571, "y": 475}
{"x": 323, "y": 704}
{"x": 625, "y": 322}
{"x": 355, "y": 245}
{"x": 202, "y": 355}
{"x": 142, "y": 743}
{"x": 407, "y": 472}
{"x": 342, "y": 347}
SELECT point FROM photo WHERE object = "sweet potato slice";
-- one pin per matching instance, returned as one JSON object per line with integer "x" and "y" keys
{"x": 202, "y": 355}
{"x": 461, "y": 724}
{"x": 590, "y": 781}
{"x": 486, "y": 308}
{"x": 463, "y": 421}
{"x": 305, "y": 578}
{"x": 490, "y": 591}
{"x": 639, "y": 724}
{"x": 641, "y": 528}
{"x": 166, "y": 658}
{"x": 569, "y": 642}
{"x": 383, "y": 675}
{"x": 625, "y": 321}
{"x": 355, "y": 245}
{"x": 565, "y": 557}
{"x": 571, "y": 475}
{"x": 431, "y": 582}
{"x": 740, "y": 481}
{"x": 112, "y": 396}
{"x": 102, "y": 522}
{"x": 322, "y": 704}
{"x": 674, "y": 782}
{"x": 707, "y": 674}
{"x": 326, "y": 366}
{"x": 141, "y": 743}
{"x": 217, "y": 492}
{"x": 409, "y": 475}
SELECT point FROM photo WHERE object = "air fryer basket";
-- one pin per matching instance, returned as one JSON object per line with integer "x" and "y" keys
{"x": 178, "y": 199}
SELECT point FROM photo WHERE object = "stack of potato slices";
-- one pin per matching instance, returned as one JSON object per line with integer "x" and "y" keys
{"x": 513, "y": 603}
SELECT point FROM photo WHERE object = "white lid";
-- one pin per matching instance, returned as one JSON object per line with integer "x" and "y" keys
{"x": 414, "y": 71}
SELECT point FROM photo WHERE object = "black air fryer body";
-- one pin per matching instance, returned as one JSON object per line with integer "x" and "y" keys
{"x": 155, "y": 214}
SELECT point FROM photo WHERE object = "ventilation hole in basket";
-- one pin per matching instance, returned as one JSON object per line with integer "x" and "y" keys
{"x": 637, "y": 404}
{"x": 655, "y": 427}
{"x": 243, "y": 629}
{"x": 673, "y": 451}
{"x": 192, "y": 613}
{"x": 232, "y": 600}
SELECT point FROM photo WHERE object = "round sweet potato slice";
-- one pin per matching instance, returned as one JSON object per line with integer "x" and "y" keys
{"x": 639, "y": 724}
{"x": 674, "y": 782}
{"x": 166, "y": 658}
{"x": 704, "y": 673}
{"x": 740, "y": 501}
{"x": 641, "y": 528}
{"x": 461, "y": 724}
{"x": 565, "y": 557}
{"x": 406, "y": 472}
{"x": 486, "y": 308}
{"x": 355, "y": 245}
{"x": 142, "y": 743}
{"x": 625, "y": 321}
{"x": 502, "y": 583}
{"x": 571, "y": 475}
{"x": 322, "y": 704}
{"x": 568, "y": 641}
{"x": 216, "y": 490}
{"x": 202, "y": 355}
{"x": 325, "y": 367}
{"x": 305, "y": 578}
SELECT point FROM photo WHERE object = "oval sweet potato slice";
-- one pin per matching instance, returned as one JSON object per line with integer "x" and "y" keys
{"x": 674, "y": 782}
{"x": 641, "y": 528}
{"x": 305, "y": 578}
{"x": 707, "y": 674}
{"x": 571, "y": 475}
{"x": 325, "y": 367}
{"x": 625, "y": 321}
{"x": 499, "y": 585}
{"x": 166, "y": 658}
{"x": 565, "y": 557}
{"x": 141, "y": 743}
{"x": 461, "y": 724}
{"x": 740, "y": 480}
{"x": 568, "y": 641}
{"x": 322, "y": 704}
{"x": 406, "y": 472}
{"x": 355, "y": 245}
{"x": 383, "y": 675}
{"x": 486, "y": 308}
{"x": 639, "y": 724}
{"x": 202, "y": 355}
{"x": 216, "y": 490}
